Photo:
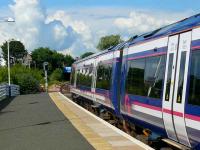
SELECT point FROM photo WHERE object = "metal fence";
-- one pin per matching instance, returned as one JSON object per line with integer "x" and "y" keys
{"x": 4, "y": 91}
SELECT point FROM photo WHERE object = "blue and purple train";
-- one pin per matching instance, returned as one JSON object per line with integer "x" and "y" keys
{"x": 152, "y": 80}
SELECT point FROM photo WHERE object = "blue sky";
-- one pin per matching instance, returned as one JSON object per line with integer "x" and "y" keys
{"x": 75, "y": 26}
{"x": 170, "y": 5}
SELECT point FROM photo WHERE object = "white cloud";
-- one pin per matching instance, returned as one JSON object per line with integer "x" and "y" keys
{"x": 139, "y": 22}
{"x": 35, "y": 28}
{"x": 84, "y": 39}
{"x": 79, "y": 26}
{"x": 75, "y": 31}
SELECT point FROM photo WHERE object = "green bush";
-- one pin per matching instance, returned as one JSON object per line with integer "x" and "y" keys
{"x": 29, "y": 80}
{"x": 19, "y": 69}
{"x": 28, "y": 84}
{"x": 57, "y": 75}
{"x": 3, "y": 74}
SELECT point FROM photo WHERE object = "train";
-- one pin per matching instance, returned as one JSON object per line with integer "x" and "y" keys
{"x": 151, "y": 80}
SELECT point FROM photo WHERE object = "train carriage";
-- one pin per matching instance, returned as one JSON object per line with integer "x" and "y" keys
{"x": 104, "y": 69}
{"x": 152, "y": 80}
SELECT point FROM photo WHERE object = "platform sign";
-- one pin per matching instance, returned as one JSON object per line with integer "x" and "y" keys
{"x": 45, "y": 66}
{"x": 68, "y": 69}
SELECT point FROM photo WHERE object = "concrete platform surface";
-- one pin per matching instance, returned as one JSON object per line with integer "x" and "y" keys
{"x": 33, "y": 122}
{"x": 100, "y": 134}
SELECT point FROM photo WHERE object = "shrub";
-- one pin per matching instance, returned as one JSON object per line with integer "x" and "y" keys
{"x": 3, "y": 75}
{"x": 28, "y": 84}
{"x": 57, "y": 75}
{"x": 19, "y": 69}
{"x": 28, "y": 79}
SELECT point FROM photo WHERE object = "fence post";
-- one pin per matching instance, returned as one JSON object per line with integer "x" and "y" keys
{"x": 9, "y": 91}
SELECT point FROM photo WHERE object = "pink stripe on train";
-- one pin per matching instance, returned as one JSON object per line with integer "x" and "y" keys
{"x": 179, "y": 114}
{"x": 195, "y": 47}
{"x": 192, "y": 117}
{"x": 188, "y": 116}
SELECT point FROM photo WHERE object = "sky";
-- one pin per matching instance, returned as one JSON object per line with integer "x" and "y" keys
{"x": 75, "y": 26}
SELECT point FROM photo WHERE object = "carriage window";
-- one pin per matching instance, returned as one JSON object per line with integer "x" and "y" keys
{"x": 104, "y": 76}
{"x": 135, "y": 78}
{"x": 194, "y": 94}
{"x": 84, "y": 76}
{"x": 77, "y": 77}
{"x": 73, "y": 76}
{"x": 145, "y": 76}
{"x": 154, "y": 76}
{"x": 169, "y": 76}
{"x": 181, "y": 77}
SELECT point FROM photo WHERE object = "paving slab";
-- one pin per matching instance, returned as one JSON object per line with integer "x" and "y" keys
{"x": 99, "y": 133}
{"x": 33, "y": 122}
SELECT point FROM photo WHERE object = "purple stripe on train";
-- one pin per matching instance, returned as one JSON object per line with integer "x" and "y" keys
{"x": 195, "y": 45}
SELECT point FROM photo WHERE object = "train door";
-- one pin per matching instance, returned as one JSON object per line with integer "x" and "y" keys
{"x": 175, "y": 87}
{"x": 94, "y": 76}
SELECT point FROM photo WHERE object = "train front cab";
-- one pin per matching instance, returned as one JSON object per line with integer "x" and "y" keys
{"x": 172, "y": 101}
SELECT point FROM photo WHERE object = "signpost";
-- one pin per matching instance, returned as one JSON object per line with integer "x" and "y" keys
{"x": 45, "y": 67}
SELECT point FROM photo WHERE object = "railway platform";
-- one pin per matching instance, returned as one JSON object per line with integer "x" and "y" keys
{"x": 100, "y": 134}
{"x": 33, "y": 122}
{"x": 54, "y": 122}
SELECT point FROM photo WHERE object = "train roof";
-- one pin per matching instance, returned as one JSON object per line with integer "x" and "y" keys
{"x": 179, "y": 26}
{"x": 111, "y": 49}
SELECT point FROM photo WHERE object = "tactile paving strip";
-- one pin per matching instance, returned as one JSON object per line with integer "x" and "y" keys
{"x": 100, "y": 134}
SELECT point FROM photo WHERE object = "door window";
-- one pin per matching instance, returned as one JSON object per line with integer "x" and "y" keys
{"x": 169, "y": 76}
{"x": 181, "y": 77}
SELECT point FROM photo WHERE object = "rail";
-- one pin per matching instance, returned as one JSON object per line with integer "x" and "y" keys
{"x": 5, "y": 91}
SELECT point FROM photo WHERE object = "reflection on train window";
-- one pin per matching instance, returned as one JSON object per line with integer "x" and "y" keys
{"x": 72, "y": 76}
{"x": 154, "y": 76}
{"x": 145, "y": 76}
{"x": 181, "y": 77}
{"x": 135, "y": 78}
{"x": 104, "y": 76}
{"x": 194, "y": 94}
{"x": 84, "y": 76}
{"x": 169, "y": 76}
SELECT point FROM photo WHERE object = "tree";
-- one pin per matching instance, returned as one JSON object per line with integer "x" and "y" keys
{"x": 57, "y": 75}
{"x": 69, "y": 60}
{"x": 109, "y": 41}
{"x": 41, "y": 55}
{"x": 86, "y": 54}
{"x": 17, "y": 50}
{"x": 0, "y": 60}
{"x": 55, "y": 59}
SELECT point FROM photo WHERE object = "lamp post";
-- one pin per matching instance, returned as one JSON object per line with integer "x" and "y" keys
{"x": 9, "y": 88}
{"x": 8, "y": 20}
{"x": 45, "y": 67}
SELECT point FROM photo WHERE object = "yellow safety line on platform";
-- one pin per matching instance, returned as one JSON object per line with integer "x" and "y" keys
{"x": 94, "y": 139}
